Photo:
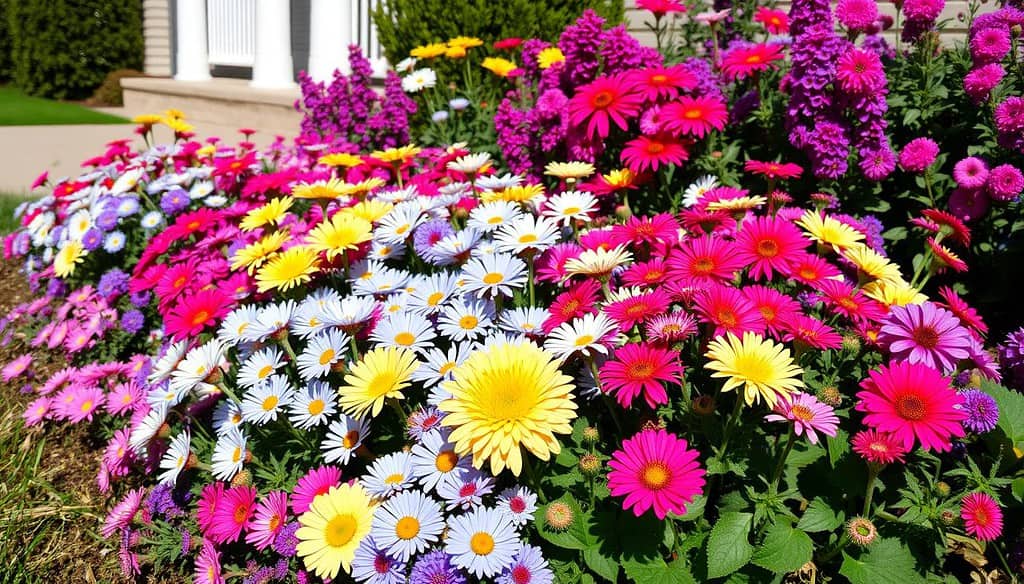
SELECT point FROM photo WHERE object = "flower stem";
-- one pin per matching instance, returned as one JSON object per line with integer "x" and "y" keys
{"x": 869, "y": 493}
{"x": 528, "y": 466}
{"x": 727, "y": 432}
{"x": 399, "y": 410}
{"x": 782, "y": 459}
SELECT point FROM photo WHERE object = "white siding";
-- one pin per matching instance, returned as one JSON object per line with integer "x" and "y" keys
{"x": 156, "y": 32}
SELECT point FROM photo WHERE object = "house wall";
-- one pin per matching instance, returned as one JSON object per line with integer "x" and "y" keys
{"x": 157, "y": 36}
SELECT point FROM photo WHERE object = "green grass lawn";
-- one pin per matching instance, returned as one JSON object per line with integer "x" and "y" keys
{"x": 18, "y": 109}
{"x": 7, "y": 204}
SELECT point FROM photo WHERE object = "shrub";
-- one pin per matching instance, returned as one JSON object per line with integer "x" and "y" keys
{"x": 64, "y": 49}
{"x": 5, "y": 44}
{"x": 405, "y": 24}
{"x": 110, "y": 93}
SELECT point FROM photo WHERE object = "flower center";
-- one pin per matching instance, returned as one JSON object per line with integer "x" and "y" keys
{"x": 602, "y": 99}
{"x": 265, "y": 371}
{"x": 407, "y": 527}
{"x": 435, "y": 298}
{"x": 692, "y": 114}
{"x": 467, "y": 490}
{"x": 640, "y": 371}
{"x": 802, "y": 413}
{"x": 340, "y": 530}
{"x": 584, "y": 340}
{"x": 517, "y": 505}
{"x": 316, "y": 407}
{"x": 727, "y": 317}
{"x": 571, "y": 210}
{"x": 767, "y": 248}
{"x": 703, "y": 266}
{"x": 659, "y": 79}
{"x": 236, "y": 455}
{"x": 910, "y": 407}
{"x": 655, "y": 476}
{"x": 350, "y": 439}
{"x": 394, "y": 479}
{"x": 925, "y": 336}
{"x": 521, "y": 575}
{"x": 86, "y": 405}
{"x": 655, "y": 147}
{"x": 381, "y": 384}
{"x": 405, "y": 338}
{"x": 528, "y": 238}
{"x": 493, "y": 278}
{"x": 481, "y": 543}
{"x": 382, "y": 564}
{"x": 468, "y": 322}
{"x": 327, "y": 356}
{"x": 446, "y": 460}
{"x": 241, "y": 514}
{"x": 270, "y": 403}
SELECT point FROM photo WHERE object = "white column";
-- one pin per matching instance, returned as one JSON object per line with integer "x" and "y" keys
{"x": 192, "y": 61}
{"x": 330, "y": 34}
{"x": 273, "y": 66}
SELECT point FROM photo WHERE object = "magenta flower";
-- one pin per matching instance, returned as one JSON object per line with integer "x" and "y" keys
{"x": 983, "y": 519}
{"x": 971, "y": 173}
{"x": 809, "y": 416}
{"x": 655, "y": 469}
{"x": 919, "y": 154}
{"x": 1005, "y": 183}
{"x": 925, "y": 333}
{"x": 17, "y": 367}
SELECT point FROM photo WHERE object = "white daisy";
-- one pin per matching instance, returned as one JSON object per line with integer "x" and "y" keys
{"x": 162, "y": 393}
{"x": 585, "y": 335}
{"x": 176, "y": 457}
{"x": 200, "y": 189}
{"x": 571, "y": 206}
{"x": 152, "y": 220}
{"x": 381, "y": 281}
{"x": 262, "y": 403}
{"x": 454, "y": 248}
{"x": 165, "y": 365}
{"x": 482, "y": 541}
{"x": 199, "y": 367}
{"x": 398, "y": 224}
{"x": 271, "y": 320}
{"x": 470, "y": 163}
{"x": 466, "y": 319}
{"x": 215, "y": 201}
{"x": 406, "y": 65}
{"x": 229, "y": 454}
{"x": 698, "y": 189}
{"x": 494, "y": 275}
{"x": 525, "y": 320}
{"x": 351, "y": 314}
{"x": 146, "y": 429}
{"x": 598, "y": 262}
{"x": 435, "y": 461}
{"x": 519, "y": 503}
{"x": 260, "y": 366}
{"x": 492, "y": 215}
{"x": 498, "y": 183}
{"x": 407, "y": 524}
{"x": 432, "y": 295}
{"x": 465, "y": 490}
{"x": 344, "y": 437}
{"x": 437, "y": 364}
{"x": 527, "y": 234}
{"x": 404, "y": 330}
{"x": 308, "y": 319}
{"x": 232, "y": 329}
{"x": 320, "y": 355}
{"x": 381, "y": 251}
{"x": 227, "y": 416}
{"x": 389, "y": 474}
{"x": 312, "y": 405}
{"x": 419, "y": 80}
{"x": 78, "y": 224}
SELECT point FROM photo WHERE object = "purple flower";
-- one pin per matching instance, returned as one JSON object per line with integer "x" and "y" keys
{"x": 857, "y": 15}
{"x": 927, "y": 334}
{"x": 1011, "y": 357}
{"x": 529, "y": 566}
{"x": 428, "y": 234}
{"x": 990, "y": 45}
{"x": 1005, "y": 183}
{"x": 971, "y": 173}
{"x": 174, "y": 201}
{"x": 107, "y": 220}
{"x": 56, "y": 287}
{"x": 112, "y": 284}
{"x": 132, "y": 321}
{"x": 92, "y": 239}
{"x": 285, "y": 541}
{"x": 166, "y": 501}
{"x": 980, "y": 82}
{"x": 969, "y": 204}
{"x": 371, "y": 563}
{"x": 830, "y": 148}
{"x": 435, "y": 568}
{"x": 982, "y": 411}
{"x": 878, "y": 164}
{"x": 919, "y": 154}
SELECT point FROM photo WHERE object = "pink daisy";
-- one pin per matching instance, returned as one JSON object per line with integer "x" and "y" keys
{"x": 604, "y": 101}
{"x": 123, "y": 513}
{"x": 912, "y": 401}
{"x": 657, "y": 231}
{"x": 209, "y": 500}
{"x": 123, "y": 397}
{"x": 850, "y": 302}
{"x": 649, "y": 153}
{"x": 670, "y": 328}
{"x": 119, "y": 456}
{"x": 37, "y": 411}
{"x": 808, "y": 415}
{"x": 208, "y": 569}
{"x": 657, "y": 83}
{"x": 703, "y": 261}
{"x": 774, "y": 306}
{"x": 878, "y": 447}
{"x": 743, "y": 61}
{"x": 925, "y": 333}
{"x": 316, "y": 482}
{"x": 640, "y": 369}
{"x": 983, "y": 519}
{"x": 634, "y": 310}
{"x": 773, "y": 170}
{"x": 232, "y": 514}
{"x": 768, "y": 245}
{"x": 647, "y": 273}
{"x": 774, "y": 21}
{"x": 268, "y": 519}
{"x": 197, "y": 311}
{"x": 811, "y": 269}
{"x": 17, "y": 367}
{"x": 655, "y": 469}
{"x": 551, "y": 264}
{"x": 729, "y": 310}
{"x": 86, "y": 400}
{"x": 694, "y": 116}
{"x": 573, "y": 303}
{"x": 965, "y": 312}
{"x": 811, "y": 332}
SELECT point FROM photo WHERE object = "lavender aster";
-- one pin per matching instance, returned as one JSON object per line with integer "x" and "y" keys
{"x": 1011, "y": 358}
{"x": 372, "y": 565}
{"x": 286, "y": 541}
{"x": 132, "y": 321}
{"x": 927, "y": 334}
{"x": 982, "y": 411}
{"x": 436, "y": 568}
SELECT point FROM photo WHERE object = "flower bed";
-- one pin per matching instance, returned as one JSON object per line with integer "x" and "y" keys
{"x": 356, "y": 358}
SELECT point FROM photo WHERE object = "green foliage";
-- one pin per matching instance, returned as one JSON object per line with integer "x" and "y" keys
{"x": 728, "y": 548}
{"x": 110, "y": 93}
{"x": 405, "y": 24}
{"x": 784, "y": 549}
{"x": 65, "y": 48}
{"x": 5, "y": 44}
{"x": 887, "y": 561}
{"x": 18, "y": 109}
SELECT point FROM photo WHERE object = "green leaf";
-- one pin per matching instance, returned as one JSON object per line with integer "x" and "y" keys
{"x": 728, "y": 547}
{"x": 819, "y": 517}
{"x": 639, "y": 537}
{"x": 838, "y": 445}
{"x": 784, "y": 550}
{"x": 1011, "y": 412}
{"x": 600, "y": 564}
{"x": 658, "y": 572}
{"x": 887, "y": 561}
{"x": 1017, "y": 489}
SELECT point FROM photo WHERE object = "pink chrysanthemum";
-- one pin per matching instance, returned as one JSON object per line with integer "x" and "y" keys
{"x": 694, "y": 116}
{"x": 17, "y": 367}
{"x": 232, "y": 515}
{"x": 860, "y": 72}
{"x": 634, "y": 310}
{"x": 878, "y": 447}
{"x": 123, "y": 513}
{"x": 208, "y": 569}
{"x": 37, "y": 411}
{"x": 316, "y": 482}
{"x": 775, "y": 307}
{"x": 983, "y": 519}
{"x": 647, "y": 273}
{"x": 637, "y": 369}
{"x": 729, "y": 310}
{"x": 768, "y": 245}
{"x": 925, "y": 333}
{"x": 990, "y": 45}
{"x": 658, "y": 83}
{"x": 912, "y": 401}
{"x": 270, "y": 516}
{"x": 1005, "y": 183}
{"x": 743, "y": 61}
{"x": 702, "y": 261}
{"x": 918, "y": 154}
{"x": 971, "y": 173}
{"x": 86, "y": 401}
{"x": 649, "y": 153}
{"x": 604, "y": 101}
{"x": 655, "y": 469}
{"x": 809, "y": 416}
{"x": 857, "y": 15}
{"x": 980, "y": 82}
{"x": 811, "y": 332}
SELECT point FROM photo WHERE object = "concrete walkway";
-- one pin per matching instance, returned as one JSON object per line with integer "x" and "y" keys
{"x": 26, "y": 151}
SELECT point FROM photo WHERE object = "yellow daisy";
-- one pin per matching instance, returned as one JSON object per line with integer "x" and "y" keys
{"x": 330, "y": 531}
{"x": 569, "y": 170}
{"x": 598, "y": 262}
{"x": 498, "y": 66}
{"x": 67, "y": 258}
{"x": 402, "y": 154}
{"x": 871, "y": 263}
{"x": 737, "y": 204}
{"x": 340, "y": 159}
{"x": 174, "y": 113}
{"x": 619, "y": 179}
{"x": 516, "y": 194}
{"x": 465, "y": 42}
{"x": 506, "y": 397}
{"x": 179, "y": 125}
{"x": 148, "y": 119}
{"x": 763, "y": 368}
{"x": 455, "y": 52}
{"x": 321, "y": 189}
{"x": 549, "y": 56}
{"x": 270, "y": 213}
{"x": 828, "y": 231}
{"x": 381, "y": 374}
{"x": 372, "y": 211}
{"x": 364, "y": 187}
{"x": 342, "y": 232}
{"x": 253, "y": 255}
{"x": 893, "y": 292}
{"x": 288, "y": 269}
{"x": 429, "y": 51}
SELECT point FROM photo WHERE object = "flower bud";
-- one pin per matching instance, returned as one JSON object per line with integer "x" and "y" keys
{"x": 704, "y": 405}
{"x": 558, "y": 516}
{"x": 242, "y": 479}
{"x": 861, "y": 531}
{"x": 591, "y": 435}
{"x": 590, "y": 465}
{"x": 830, "y": 395}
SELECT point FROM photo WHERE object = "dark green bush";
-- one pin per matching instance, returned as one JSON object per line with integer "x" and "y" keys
{"x": 405, "y": 24}
{"x": 5, "y": 45}
{"x": 110, "y": 94}
{"x": 65, "y": 48}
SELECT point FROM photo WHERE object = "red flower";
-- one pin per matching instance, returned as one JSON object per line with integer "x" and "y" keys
{"x": 773, "y": 170}
{"x": 983, "y": 519}
{"x": 695, "y": 116}
{"x": 742, "y": 61}
{"x": 945, "y": 257}
{"x": 850, "y": 302}
{"x": 811, "y": 269}
{"x": 662, "y": 82}
{"x": 651, "y": 152}
{"x": 196, "y": 312}
{"x": 774, "y": 21}
{"x": 603, "y": 101}
{"x": 508, "y": 44}
{"x": 639, "y": 369}
{"x": 950, "y": 225}
{"x": 660, "y": 7}
{"x": 879, "y": 448}
{"x": 188, "y": 223}
{"x": 967, "y": 315}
